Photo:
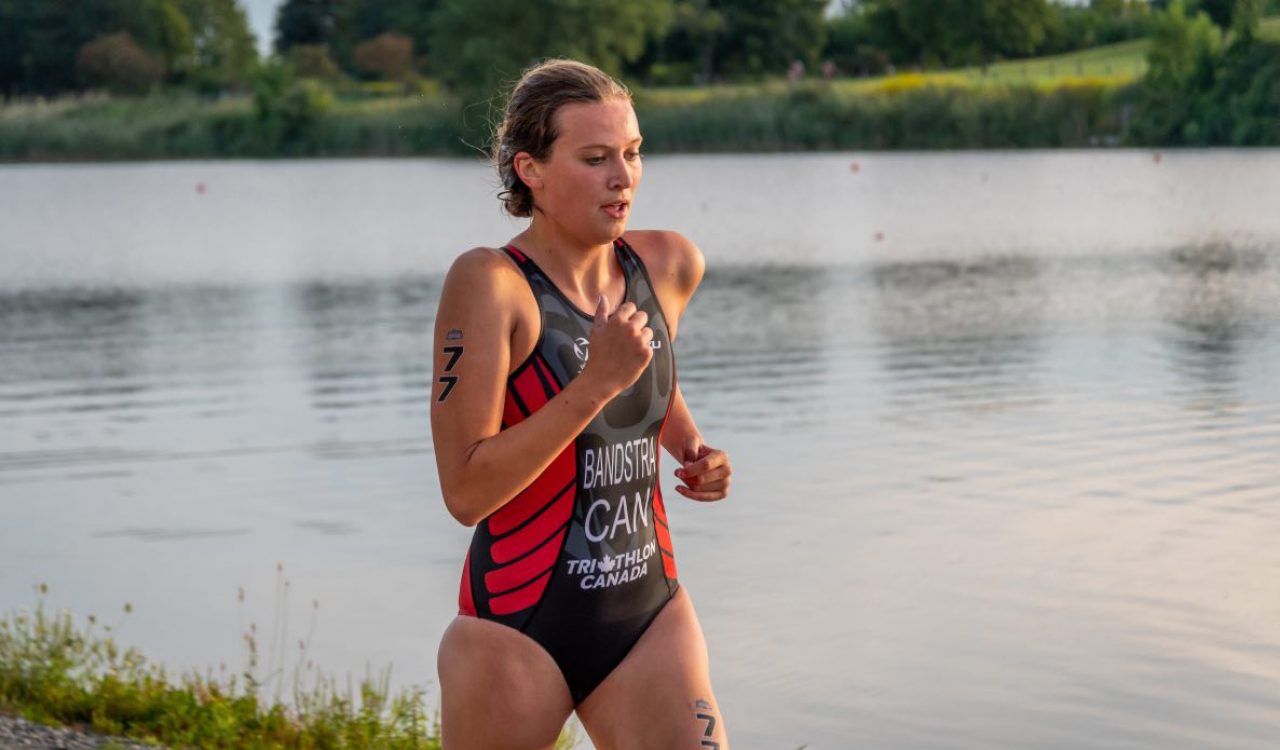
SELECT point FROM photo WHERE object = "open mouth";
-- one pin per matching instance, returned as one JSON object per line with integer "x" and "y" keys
{"x": 616, "y": 210}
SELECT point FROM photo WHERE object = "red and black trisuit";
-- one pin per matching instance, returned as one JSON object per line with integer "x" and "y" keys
{"x": 581, "y": 559}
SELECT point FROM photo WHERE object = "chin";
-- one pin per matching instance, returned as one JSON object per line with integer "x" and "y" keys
{"x": 607, "y": 233}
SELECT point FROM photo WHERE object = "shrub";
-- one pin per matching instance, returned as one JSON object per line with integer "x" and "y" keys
{"x": 117, "y": 63}
{"x": 388, "y": 55}
{"x": 313, "y": 61}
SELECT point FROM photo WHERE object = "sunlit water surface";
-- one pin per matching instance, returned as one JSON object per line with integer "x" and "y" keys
{"x": 1005, "y": 430}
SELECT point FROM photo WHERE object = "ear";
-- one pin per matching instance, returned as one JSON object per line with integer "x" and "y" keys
{"x": 528, "y": 170}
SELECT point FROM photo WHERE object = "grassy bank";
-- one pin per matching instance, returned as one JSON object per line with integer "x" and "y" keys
{"x": 905, "y": 111}
{"x": 909, "y": 111}
{"x": 55, "y": 671}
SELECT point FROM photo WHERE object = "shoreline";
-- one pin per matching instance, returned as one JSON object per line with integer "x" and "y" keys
{"x": 17, "y": 733}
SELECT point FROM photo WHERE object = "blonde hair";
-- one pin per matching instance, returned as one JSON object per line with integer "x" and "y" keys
{"x": 528, "y": 120}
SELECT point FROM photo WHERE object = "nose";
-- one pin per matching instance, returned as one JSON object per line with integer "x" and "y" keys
{"x": 620, "y": 177}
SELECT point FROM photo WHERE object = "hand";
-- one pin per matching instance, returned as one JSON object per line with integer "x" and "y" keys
{"x": 619, "y": 349}
{"x": 705, "y": 473}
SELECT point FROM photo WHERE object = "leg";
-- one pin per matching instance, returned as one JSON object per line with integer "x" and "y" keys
{"x": 499, "y": 690}
{"x": 660, "y": 696}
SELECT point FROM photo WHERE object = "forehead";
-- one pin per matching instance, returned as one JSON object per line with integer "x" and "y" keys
{"x": 610, "y": 122}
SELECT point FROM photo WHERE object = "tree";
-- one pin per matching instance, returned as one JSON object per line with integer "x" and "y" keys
{"x": 1181, "y": 67}
{"x": 46, "y": 37}
{"x": 1178, "y": 43}
{"x": 1014, "y": 28}
{"x": 305, "y": 22}
{"x": 117, "y": 63}
{"x": 479, "y": 45}
{"x": 177, "y": 46}
{"x": 955, "y": 32}
{"x": 359, "y": 20}
{"x": 225, "y": 49}
{"x": 389, "y": 55}
{"x": 312, "y": 61}
{"x": 765, "y": 36}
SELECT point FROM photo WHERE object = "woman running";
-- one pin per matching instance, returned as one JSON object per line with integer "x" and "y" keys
{"x": 555, "y": 388}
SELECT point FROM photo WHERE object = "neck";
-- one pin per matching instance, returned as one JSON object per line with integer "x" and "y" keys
{"x": 582, "y": 269}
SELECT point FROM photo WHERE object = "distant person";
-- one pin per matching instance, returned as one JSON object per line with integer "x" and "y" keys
{"x": 554, "y": 391}
{"x": 796, "y": 71}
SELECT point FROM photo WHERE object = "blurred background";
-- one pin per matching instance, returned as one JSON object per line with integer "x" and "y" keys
{"x": 990, "y": 329}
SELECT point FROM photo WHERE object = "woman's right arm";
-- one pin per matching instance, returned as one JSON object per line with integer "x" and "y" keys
{"x": 482, "y": 466}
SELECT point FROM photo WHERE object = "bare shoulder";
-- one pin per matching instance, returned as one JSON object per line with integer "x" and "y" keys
{"x": 485, "y": 290}
{"x": 487, "y": 300}
{"x": 674, "y": 262}
{"x": 481, "y": 268}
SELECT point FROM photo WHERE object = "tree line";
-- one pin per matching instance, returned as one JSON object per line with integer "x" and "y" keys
{"x": 473, "y": 46}
{"x": 49, "y": 47}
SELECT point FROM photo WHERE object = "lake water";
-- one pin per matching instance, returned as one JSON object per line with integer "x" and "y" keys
{"x": 1005, "y": 429}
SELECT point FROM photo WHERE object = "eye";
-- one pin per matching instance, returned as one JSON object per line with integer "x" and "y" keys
{"x": 634, "y": 156}
{"x": 594, "y": 160}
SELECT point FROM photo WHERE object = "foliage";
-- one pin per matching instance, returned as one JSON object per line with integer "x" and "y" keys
{"x": 912, "y": 111}
{"x": 1180, "y": 45}
{"x": 285, "y": 109}
{"x": 479, "y": 46}
{"x": 177, "y": 45}
{"x": 55, "y": 671}
{"x": 202, "y": 42}
{"x": 117, "y": 63}
{"x": 763, "y": 37}
{"x": 225, "y": 49}
{"x": 312, "y": 61}
{"x": 309, "y": 22}
{"x": 389, "y": 56}
{"x": 870, "y": 35}
{"x": 1197, "y": 93}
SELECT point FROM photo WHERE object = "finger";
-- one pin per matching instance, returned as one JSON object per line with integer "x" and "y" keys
{"x": 640, "y": 319}
{"x": 703, "y": 496}
{"x": 702, "y": 481}
{"x": 624, "y": 312}
{"x": 646, "y": 335}
{"x": 602, "y": 310}
{"x": 706, "y": 463}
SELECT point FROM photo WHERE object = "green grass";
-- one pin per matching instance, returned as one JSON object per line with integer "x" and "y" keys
{"x": 58, "y": 672}
{"x": 1269, "y": 29}
{"x": 1124, "y": 59}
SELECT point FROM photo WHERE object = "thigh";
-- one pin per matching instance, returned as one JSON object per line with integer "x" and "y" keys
{"x": 499, "y": 690}
{"x": 660, "y": 696}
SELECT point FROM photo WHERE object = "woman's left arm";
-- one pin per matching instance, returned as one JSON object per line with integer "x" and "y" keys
{"x": 704, "y": 471}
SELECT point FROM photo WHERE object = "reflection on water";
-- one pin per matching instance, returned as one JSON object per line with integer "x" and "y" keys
{"x": 959, "y": 335}
{"x": 756, "y": 340}
{"x": 1216, "y": 306}
{"x": 999, "y": 498}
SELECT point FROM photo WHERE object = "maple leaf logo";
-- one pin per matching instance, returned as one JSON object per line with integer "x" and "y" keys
{"x": 607, "y": 564}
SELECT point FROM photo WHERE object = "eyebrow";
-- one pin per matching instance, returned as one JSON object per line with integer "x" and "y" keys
{"x": 633, "y": 142}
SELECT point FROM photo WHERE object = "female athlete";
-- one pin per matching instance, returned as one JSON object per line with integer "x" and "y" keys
{"x": 554, "y": 388}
